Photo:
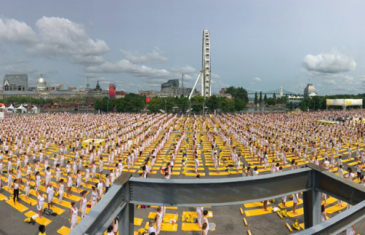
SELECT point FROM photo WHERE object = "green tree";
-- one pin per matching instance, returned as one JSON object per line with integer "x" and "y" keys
{"x": 265, "y": 98}
{"x": 239, "y": 104}
{"x": 212, "y": 103}
{"x": 134, "y": 103}
{"x": 155, "y": 104}
{"x": 274, "y": 99}
{"x": 120, "y": 105}
{"x": 183, "y": 103}
{"x": 197, "y": 103}
{"x": 238, "y": 92}
{"x": 260, "y": 99}
{"x": 291, "y": 106}
{"x": 256, "y": 98}
{"x": 227, "y": 105}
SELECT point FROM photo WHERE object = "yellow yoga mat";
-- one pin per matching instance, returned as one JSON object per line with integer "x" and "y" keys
{"x": 300, "y": 211}
{"x": 169, "y": 216}
{"x": 335, "y": 208}
{"x": 18, "y": 206}
{"x": 63, "y": 230}
{"x": 138, "y": 221}
{"x": 44, "y": 221}
{"x": 290, "y": 204}
{"x": 190, "y": 227}
{"x": 258, "y": 212}
{"x": 254, "y": 204}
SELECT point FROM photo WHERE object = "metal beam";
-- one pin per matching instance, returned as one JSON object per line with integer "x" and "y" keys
{"x": 102, "y": 215}
{"x": 341, "y": 188}
{"x": 339, "y": 222}
{"x": 218, "y": 192}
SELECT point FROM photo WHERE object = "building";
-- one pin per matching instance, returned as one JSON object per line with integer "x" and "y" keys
{"x": 15, "y": 82}
{"x": 45, "y": 92}
{"x": 172, "y": 88}
{"x": 310, "y": 91}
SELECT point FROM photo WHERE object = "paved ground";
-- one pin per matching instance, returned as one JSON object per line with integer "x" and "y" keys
{"x": 228, "y": 219}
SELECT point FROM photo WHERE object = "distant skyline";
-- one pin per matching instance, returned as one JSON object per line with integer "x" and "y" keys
{"x": 259, "y": 45}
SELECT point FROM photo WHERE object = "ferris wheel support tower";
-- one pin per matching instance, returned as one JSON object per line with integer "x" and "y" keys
{"x": 205, "y": 72}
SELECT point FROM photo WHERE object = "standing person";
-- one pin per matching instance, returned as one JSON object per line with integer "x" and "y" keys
{"x": 16, "y": 190}
{"x": 205, "y": 229}
{"x": 69, "y": 184}
{"x": 196, "y": 164}
{"x": 107, "y": 182}
{"x": 10, "y": 178}
{"x": 83, "y": 203}
{"x": 50, "y": 194}
{"x": 205, "y": 221}
{"x": 94, "y": 196}
{"x": 73, "y": 215}
{"x": 58, "y": 172}
{"x": 40, "y": 203}
{"x": 78, "y": 180}
{"x": 158, "y": 220}
{"x": 87, "y": 175}
{"x": 37, "y": 181}
{"x": 100, "y": 187}
{"x": 61, "y": 190}
{"x": 115, "y": 225}
{"x": 48, "y": 175}
{"x": 199, "y": 212}
{"x": 27, "y": 187}
{"x": 295, "y": 202}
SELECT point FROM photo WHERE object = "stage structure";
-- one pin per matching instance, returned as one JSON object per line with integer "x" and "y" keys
{"x": 344, "y": 103}
{"x": 312, "y": 180}
{"x": 205, "y": 72}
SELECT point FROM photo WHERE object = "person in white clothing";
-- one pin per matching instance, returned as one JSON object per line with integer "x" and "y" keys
{"x": 40, "y": 203}
{"x": 50, "y": 194}
{"x": 73, "y": 215}
{"x": 61, "y": 190}
{"x": 158, "y": 220}
{"x": 83, "y": 204}
{"x": 199, "y": 212}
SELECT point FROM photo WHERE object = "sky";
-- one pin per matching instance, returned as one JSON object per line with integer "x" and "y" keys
{"x": 139, "y": 44}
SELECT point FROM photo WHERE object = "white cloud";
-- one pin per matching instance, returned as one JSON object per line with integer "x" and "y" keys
{"x": 125, "y": 66}
{"x": 184, "y": 70}
{"x": 348, "y": 79}
{"x": 16, "y": 32}
{"x": 156, "y": 56}
{"x": 329, "y": 63}
{"x": 215, "y": 76}
{"x": 257, "y": 79}
{"x": 329, "y": 82}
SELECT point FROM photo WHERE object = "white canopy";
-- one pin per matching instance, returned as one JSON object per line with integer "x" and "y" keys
{"x": 2, "y": 107}
{"x": 21, "y": 107}
{"x": 11, "y": 107}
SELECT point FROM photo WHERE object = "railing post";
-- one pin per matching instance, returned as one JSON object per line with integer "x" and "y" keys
{"x": 126, "y": 216}
{"x": 312, "y": 203}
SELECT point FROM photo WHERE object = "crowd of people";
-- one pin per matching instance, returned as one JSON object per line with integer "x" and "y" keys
{"x": 49, "y": 150}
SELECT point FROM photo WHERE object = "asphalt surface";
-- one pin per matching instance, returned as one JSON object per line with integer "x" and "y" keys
{"x": 228, "y": 219}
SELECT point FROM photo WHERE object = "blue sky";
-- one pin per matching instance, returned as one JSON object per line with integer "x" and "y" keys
{"x": 259, "y": 45}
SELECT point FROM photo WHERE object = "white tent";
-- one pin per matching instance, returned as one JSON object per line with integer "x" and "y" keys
{"x": 10, "y": 109}
{"x": 2, "y": 107}
{"x": 34, "y": 109}
{"x": 21, "y": 109}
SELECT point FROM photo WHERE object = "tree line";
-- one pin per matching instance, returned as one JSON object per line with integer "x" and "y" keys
{"x": 137, "y": 103}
